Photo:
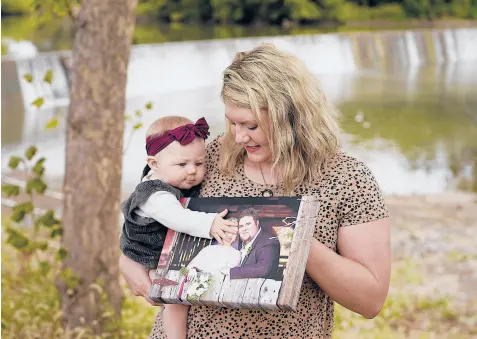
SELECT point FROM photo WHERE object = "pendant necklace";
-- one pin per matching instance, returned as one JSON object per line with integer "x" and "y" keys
{"x": 266, "y": 192}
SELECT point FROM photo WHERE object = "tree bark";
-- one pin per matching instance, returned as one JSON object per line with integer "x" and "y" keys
{"x": 92, "y": 187}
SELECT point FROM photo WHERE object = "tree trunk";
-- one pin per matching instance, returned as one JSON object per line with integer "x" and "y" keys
{"x": 94, "y": 148}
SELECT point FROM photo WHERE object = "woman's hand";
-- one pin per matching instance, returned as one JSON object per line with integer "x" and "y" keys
{"x": 137, "y": 277}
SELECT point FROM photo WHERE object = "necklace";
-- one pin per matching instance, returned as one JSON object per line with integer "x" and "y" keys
{"x": 266, "y": 192}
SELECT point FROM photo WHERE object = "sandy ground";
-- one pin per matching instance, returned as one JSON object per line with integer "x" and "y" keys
{"x": 440, "y": 233}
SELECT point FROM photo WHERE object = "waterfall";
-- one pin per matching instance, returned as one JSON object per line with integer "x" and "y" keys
{"x": 180, "y": 66}
{"x": 449, "y": 40}
{"x": 412, "y": 51}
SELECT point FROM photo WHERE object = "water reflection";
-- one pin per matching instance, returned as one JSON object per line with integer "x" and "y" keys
{"x": 422, "y": 126}
{"x": 415, "y": 129}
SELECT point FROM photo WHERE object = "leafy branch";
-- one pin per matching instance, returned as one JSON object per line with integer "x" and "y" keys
{"x": 36, "y": 242}
{"x": 34, "y": 170}
{"x": 40, "y": 101}
{"x": 136, "y": 124}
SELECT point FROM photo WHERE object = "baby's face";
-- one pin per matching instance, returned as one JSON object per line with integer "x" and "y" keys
{"x": 180, "y": 166}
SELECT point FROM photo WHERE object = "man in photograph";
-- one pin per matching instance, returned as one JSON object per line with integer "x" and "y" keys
{"x": 260, "y": 251}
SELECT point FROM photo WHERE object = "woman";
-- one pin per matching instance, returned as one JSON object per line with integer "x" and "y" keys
{"x": 213, "y": 258}
{"x": 282, "y": 139}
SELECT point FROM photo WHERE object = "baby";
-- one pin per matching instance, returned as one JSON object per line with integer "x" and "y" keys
{"x": 175, "y": 157}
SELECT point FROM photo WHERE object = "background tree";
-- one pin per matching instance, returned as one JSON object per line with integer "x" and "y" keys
{"x": 92, "y": 187}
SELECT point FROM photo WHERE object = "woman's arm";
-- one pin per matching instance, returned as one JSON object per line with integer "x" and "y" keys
{"x": 137, "y": 277}
{"x": 357, "y": 278}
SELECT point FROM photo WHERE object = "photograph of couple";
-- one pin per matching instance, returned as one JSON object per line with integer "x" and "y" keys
{"x": 250, "y": 265}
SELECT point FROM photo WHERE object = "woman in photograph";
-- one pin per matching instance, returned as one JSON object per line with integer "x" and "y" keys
{"x": 282, "y": 139}
{"x": 213, "y": 258}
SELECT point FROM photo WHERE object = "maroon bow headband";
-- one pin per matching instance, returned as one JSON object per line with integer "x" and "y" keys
{"x": 184, "y": 134}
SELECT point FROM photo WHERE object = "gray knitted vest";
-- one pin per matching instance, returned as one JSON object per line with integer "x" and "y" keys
{"x": 142, "y": 238}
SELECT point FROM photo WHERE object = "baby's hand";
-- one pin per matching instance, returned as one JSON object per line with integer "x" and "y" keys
{"x": 223, "y": 229}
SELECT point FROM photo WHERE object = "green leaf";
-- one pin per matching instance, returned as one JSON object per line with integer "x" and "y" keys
{"x": 48, "y": 220}
{"x": 38, "y": 245}
{"x": 39, "y": 169}
{"x": 55, "y": 232}
{"x": 61, "y": 254}
{"x": 36, "y": 184}
{"x": 16, "y": 238}
{"x": 20, "y": 210}
{"x": 28, "y": 78}
{"x": 137, "y": 126}
{"x": 44, "y": 267}
{"x": 48, "y": 77}
{"x": 30, "y": 152}
{"x": 14, "y": 162}
{"x": 127, "y": 117}
{"x": 138, "y": 113}
{"x": 53, "y": 123}
{"x": 38, "y": 102}
{"x": 10, "y": 190}
{"x": 149, "y": 105}
{"x": 43, "y": 245}
{"x": 184, "y": 270}
{"x": 70, "y": 278}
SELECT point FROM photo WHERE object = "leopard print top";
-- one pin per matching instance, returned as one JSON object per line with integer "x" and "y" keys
{"x": 348, "y": 194}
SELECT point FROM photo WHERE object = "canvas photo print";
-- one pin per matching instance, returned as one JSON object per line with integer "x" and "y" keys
{"x": 261, "y": 267}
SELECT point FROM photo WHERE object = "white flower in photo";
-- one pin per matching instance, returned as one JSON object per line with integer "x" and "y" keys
{"x": 203, "y": 278}
{"x": 193, "y": 287}
{"x": 199, "y": 287}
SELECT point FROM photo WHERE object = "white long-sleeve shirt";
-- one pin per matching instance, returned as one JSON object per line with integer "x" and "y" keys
{"x": 164, "y": 207}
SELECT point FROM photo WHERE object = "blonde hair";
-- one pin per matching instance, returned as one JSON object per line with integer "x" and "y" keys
{"x": 302, "y": 129}
{"x": 164, "y": 124}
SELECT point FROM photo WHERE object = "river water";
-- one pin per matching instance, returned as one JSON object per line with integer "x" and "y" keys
{"x": 408, "y": 110}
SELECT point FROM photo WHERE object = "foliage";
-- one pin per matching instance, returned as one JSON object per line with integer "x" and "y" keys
{"x": 48, "y": 77}
{"x": 39, "y": 32}
{"x": 246, "y": 12}
{"x": 31, "y": 303}
{"x": 46, "y": 226}
{"x": 353, "y": 12}
{"x": 31, "y": 264}
{"x": 135, "y": 122}
{"x": 433, "y": 9}
{"x": 302, "y": 11}
{"x": 16, "y": 7}
{"x": 32, "y": 254}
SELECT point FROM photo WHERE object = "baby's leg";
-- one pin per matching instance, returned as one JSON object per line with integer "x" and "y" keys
{"x": 174, "y": 317}
{"x": 175, "y": 321}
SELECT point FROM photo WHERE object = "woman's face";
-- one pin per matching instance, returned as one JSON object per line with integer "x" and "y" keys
{"x": 246, "y": 132}
{"x": 233, "y": 237}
